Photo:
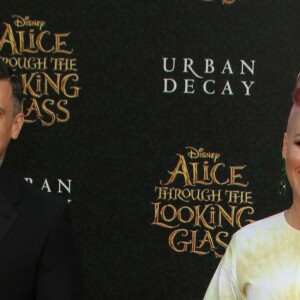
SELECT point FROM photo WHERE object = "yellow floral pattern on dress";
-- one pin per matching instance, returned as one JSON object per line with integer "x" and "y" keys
{"x": 262, "y": 262}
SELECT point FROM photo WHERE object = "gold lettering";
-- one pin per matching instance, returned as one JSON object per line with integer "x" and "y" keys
{"x": 157, "y": 213}
{"x": 74, "y": 88}
{"x": 8, "y": 38}
{"x": 39, "y": 42}
{"x": 181, "y": 168}
{"x": 240, "y": 213}
{"x": 205, "y": 174}
{"x": 213, "y": 174}
{"x": 64, "y": 110}
{"x": 233, "y": 176}
{"x": 49, "y": 112}
{"x": 59, "y": 43}
{"x": 34, "y": 107}
{"x": 173, "y": 235}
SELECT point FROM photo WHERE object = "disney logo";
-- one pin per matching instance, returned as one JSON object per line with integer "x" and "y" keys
{"x": 26, "y": 22}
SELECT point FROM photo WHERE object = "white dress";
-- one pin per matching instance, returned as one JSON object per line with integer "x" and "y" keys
{"x": 262, "y": 262}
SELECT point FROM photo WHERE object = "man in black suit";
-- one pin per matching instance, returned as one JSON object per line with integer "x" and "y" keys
{"x": 37, "y": 252}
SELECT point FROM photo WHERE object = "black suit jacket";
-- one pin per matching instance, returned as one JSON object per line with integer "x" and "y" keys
{"x": 37, "y": 252}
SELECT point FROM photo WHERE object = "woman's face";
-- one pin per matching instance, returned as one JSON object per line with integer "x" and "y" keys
{"x": 291, "y": 153}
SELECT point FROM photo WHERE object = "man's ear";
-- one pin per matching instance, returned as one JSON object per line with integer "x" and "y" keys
{"x": 284, "y": 145}
{"x": 17, "y": 125}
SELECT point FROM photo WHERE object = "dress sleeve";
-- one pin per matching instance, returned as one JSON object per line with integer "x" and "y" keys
{"x": 223, "y": 285}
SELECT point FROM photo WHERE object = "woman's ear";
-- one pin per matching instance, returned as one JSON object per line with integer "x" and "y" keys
{"x": 284, "y": 145}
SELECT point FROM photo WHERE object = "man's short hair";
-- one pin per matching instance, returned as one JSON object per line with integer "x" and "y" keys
{"x": 6, "y": 72}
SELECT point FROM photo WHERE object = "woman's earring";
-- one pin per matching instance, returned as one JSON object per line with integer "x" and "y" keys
{"x": 282, "y": 183}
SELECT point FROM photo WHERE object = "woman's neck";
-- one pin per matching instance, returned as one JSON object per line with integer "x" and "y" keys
{"x": 292, "y": 215}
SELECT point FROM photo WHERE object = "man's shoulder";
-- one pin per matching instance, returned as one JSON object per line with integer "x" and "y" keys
{"x": 27, "y": 196}
{"x": 44, "y": 208}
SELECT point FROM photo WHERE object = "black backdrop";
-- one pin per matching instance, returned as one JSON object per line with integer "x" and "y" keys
{"x": 124, "y": 131}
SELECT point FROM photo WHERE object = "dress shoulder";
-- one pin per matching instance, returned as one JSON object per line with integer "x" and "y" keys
{"x": 263, "y": 226}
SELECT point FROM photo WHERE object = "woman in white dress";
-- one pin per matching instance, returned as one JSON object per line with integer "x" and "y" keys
{"x": 262, "y": 261}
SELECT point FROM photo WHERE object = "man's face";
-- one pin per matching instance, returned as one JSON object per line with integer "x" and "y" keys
{"x": 10, "y": 124}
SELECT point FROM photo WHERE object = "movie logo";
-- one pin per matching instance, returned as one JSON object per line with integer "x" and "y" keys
{"x": 202, "y": 201}
{"x": 48, "y": 66}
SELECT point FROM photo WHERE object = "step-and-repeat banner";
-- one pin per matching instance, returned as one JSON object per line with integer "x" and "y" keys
{"x": 160, "y": 121}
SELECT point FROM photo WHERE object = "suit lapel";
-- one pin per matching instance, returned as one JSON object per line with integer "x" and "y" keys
{"x": 8, "y": 216}
{"x": 10, "y": 194}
